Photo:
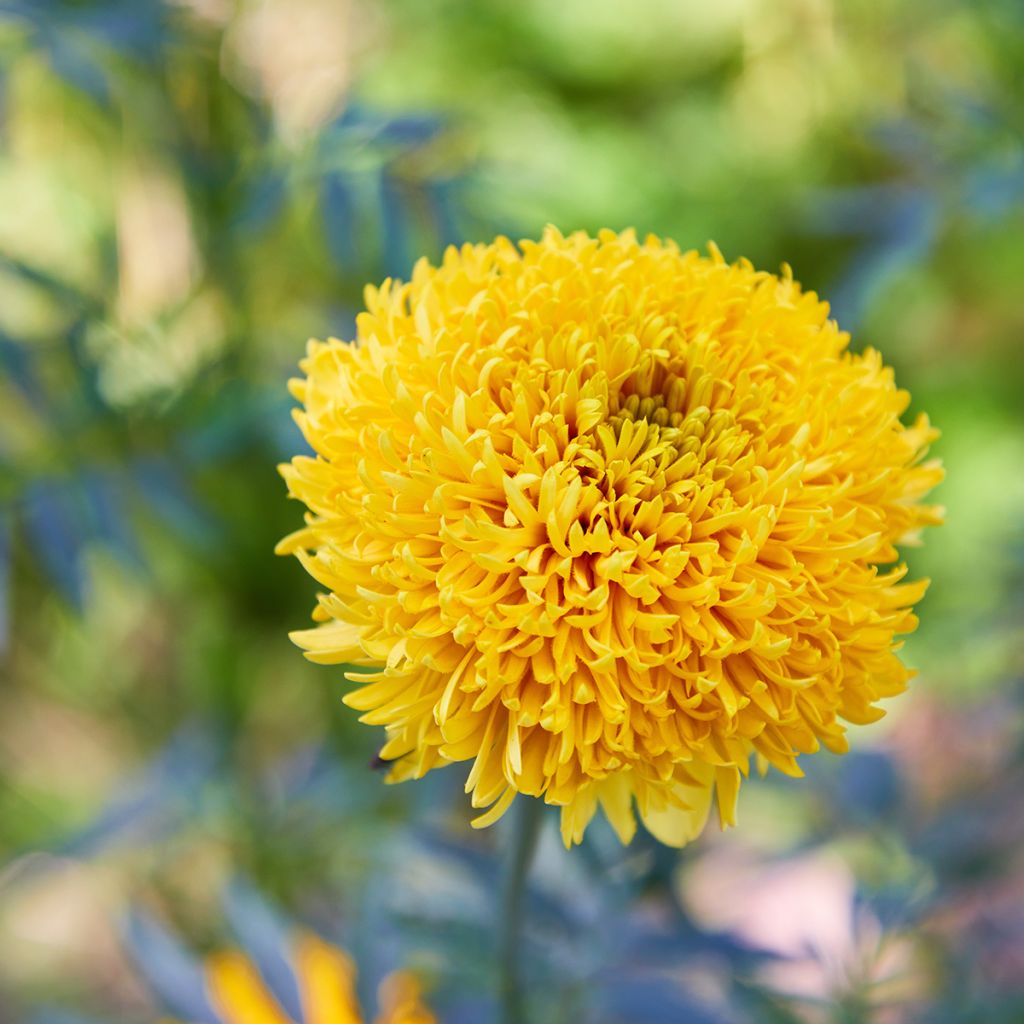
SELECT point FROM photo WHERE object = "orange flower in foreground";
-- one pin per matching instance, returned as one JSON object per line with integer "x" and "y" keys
{"x": 325, "y": 977}
{"x": 607, "y": 520}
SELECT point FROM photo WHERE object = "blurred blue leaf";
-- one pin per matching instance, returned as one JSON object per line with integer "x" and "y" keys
{"x": 761, "y": 1006}
{"x": 855, "y": 211}
{"x": 906, "y": 141}
{"x": 52, "y": 521}
{"x": 135, "y": 27}
{"x": 652, "y": 1000}
{"x": 71, "y": 62}
{"x": 315, "y": 778}
{"x": 175, "y": 978}
{"x": 341, "y": 322}
{"x": 480, "y": 863}
{"x": 868, "y": 787}
{"x": 128, "y": 26}
{"x": 470, "y": 1011}
{"x": 682, "y": 942}
{"x": 284, "y": 433}
{"x": 410, "y": 129}
{"x": 169, "y": 495}
{"x": 29, "y": 11}
{"x": 445, "y": 203}
{"x": 86, "y": 369}
{"x": 263, "y": 202}
{"x": 359, "y": 124}
{"x": 17, "y": 364}
{"x": 907, "y": 240}
{"x": 267, "y": 941}
{"x": 973, "y": 838}
{"x": 992, "y": 191}
{"x": 894, "y": 907}
{"x": 239, "y": 420}
{"x": 106, "y": 503}
{"x": 396, "y": 251}
{"x": 369, "y": 941}
{"x": 162, "y": 795}
{"x": 339, "y": 213}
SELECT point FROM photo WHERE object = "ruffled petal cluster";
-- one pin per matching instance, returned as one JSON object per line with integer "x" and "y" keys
{"x": 610, "y": 521}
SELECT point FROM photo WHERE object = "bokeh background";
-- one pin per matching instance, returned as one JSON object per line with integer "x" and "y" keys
{"x": 189, "y": 190}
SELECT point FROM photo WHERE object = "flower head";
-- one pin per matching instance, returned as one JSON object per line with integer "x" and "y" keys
{"x": 608, "y": 520}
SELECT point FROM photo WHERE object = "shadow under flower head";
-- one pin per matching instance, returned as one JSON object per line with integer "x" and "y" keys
{"x": 608, "y": 520}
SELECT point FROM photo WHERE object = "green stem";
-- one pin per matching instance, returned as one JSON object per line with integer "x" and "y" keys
{"x": 529, "y": 814}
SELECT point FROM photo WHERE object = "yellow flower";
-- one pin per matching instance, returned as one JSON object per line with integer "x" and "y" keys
{"x": 608, "y": 520}
{"x": 326, "y": 983}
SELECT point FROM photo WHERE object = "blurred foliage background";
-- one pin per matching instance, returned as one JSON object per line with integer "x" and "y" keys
{"x": 189, "y": 190}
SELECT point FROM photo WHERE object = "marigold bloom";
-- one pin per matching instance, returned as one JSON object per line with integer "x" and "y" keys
{"x": 607, "y": 520}
{"x": 325, "y": 981}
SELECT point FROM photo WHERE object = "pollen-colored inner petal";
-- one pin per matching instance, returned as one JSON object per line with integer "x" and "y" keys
{"x": 607, "y": 520}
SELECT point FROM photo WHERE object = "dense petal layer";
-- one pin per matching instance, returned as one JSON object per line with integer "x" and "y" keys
{"x": 607, "y": 520}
